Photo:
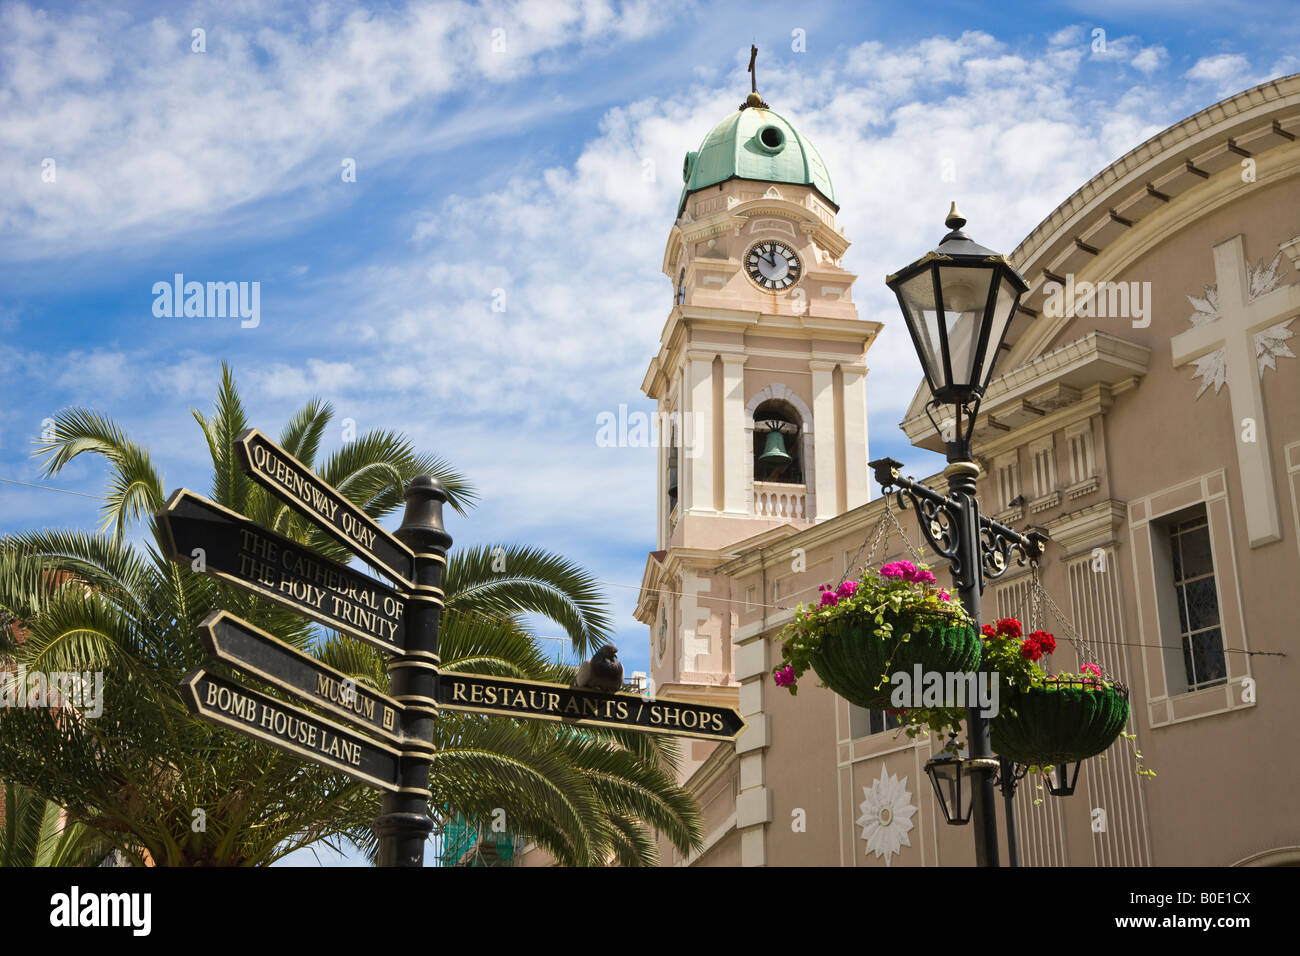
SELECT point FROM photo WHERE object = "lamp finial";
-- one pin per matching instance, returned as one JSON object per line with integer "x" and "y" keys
{"x": 955, "y": 219}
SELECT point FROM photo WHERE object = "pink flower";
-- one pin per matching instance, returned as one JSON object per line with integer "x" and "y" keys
{"x": 846, "y": 589}
{"x": 907, "y": 571}
{"x": 1090, "y": 669}
{"x": 784, "y": 676}
{"x": 944, "y": 595}
{"x": 829, "y": 599}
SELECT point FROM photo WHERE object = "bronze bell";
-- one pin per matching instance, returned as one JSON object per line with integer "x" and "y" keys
{"x": 775, "y": 458}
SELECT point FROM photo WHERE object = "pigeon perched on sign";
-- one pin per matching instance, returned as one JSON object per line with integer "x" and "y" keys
{"x": 604, "y": 672}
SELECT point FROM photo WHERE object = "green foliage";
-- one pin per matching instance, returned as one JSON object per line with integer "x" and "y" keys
{"x": 164, "y": 788}
{"x": 894, "y": 601}
{"x": 36, "y": 832}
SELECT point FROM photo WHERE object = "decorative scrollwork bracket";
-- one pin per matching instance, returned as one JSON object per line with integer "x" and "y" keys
{"x": 943, "y": 518}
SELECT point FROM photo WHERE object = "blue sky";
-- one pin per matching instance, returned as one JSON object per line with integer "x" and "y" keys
{"x": 533, "y": 148}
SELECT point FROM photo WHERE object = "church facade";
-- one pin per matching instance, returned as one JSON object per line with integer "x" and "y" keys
{"x": 1144, "y": 414}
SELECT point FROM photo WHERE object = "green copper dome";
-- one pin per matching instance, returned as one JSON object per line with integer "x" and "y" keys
{"x": 759, "y": 144}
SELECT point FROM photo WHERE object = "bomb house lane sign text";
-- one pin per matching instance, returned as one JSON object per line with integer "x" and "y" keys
{"x": 289, "y": 479}
{"x": 292, "y": 730}
{"x": 219, "y": 542}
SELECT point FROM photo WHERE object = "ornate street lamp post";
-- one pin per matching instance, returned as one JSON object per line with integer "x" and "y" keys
{"x": 958, "y": 302}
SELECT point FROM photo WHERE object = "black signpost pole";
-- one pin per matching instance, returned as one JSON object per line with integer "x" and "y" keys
{"x": 404, "y": 825}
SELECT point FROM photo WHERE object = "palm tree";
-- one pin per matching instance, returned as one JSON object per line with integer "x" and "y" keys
{"x": 168, "y": 789}
{"x": 36, "y": 832}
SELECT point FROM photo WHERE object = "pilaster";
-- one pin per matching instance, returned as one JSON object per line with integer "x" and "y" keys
{"x": 827, "y": 429}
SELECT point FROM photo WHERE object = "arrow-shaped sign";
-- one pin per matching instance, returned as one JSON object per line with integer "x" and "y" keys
{"x": 265, "y": 656}
{"x": 217, "y": 541}
{"x": 289, "y": 479}
{"x": 293, "y": 730}
{"x": 534, "y": 700}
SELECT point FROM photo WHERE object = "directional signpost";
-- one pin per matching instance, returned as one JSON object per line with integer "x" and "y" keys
{"x": 284, "y": 476}
{"x": 392, "y": 747}
{"x": 533, "y": 700}
{"x": 253, "y": 651}
{"x": 291, "y": 729}
{"x": 226, "y": 545}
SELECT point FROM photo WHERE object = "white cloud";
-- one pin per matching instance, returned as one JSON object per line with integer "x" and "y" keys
{"x": 1228, "y": 72}
{"x": 148, "y": 136}
{"x": 410, "y": 340}
{"x": 1067, "y": 35}
{"x": 97, "y": 373}
{"x": 1149, "y": 59}
{"x": 576, "y": 248}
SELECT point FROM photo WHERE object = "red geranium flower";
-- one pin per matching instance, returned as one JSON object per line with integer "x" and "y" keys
{"x": 1009, "y": 627}
{"x": 1031, "y": 650}
{"x": 1044, "y": 640}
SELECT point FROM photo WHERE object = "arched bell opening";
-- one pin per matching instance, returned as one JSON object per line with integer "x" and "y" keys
{"x": 778, "y": 450}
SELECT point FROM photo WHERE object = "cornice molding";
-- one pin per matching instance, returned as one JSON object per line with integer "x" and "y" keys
{"x": 1095, "y": 359}
{"x": 1096, "y": 526}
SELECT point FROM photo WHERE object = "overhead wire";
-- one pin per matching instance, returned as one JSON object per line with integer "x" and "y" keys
{"x": 749, "y": 605}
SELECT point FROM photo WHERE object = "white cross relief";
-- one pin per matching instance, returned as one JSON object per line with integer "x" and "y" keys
{"x": 692, "y": 647}
{"x": 1240, "y": 319}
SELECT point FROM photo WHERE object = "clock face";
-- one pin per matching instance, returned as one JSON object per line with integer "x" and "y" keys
{"x": 773, "y": 265}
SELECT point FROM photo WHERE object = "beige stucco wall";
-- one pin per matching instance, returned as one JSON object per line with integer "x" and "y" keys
{"x": 1156, "y": 448}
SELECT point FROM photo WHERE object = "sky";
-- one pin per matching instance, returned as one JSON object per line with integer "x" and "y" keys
{"x": 455, "y": 214}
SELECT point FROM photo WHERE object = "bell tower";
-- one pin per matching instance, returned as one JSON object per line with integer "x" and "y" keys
{"x": 760, "y": 380}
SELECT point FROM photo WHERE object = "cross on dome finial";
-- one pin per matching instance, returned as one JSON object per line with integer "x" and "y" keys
{"x": 753, "y": 100}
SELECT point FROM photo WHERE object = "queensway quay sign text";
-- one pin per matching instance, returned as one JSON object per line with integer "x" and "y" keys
{"x": 274, "y": 468}
{"x": 534, "y": 700}
{"x": 219, "y": 542}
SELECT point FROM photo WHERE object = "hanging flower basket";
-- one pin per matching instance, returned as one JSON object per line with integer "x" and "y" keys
{"x": 855, "y": 656}
{"x": 863, "y": 631}
{"x": 1041, "y": 721}
{"x": 1060, "y": 720}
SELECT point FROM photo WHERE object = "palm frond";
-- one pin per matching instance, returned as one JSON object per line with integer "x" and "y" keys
{"x": 37, "y": 832}
{"x": 230, "y": 486}
{"x": 374, "y": 469}
{"x": 502, "y": 581}
{"x": 302, "y": 436}
{"x": 135, "y": 486}
{"x": 540, "y": 791}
